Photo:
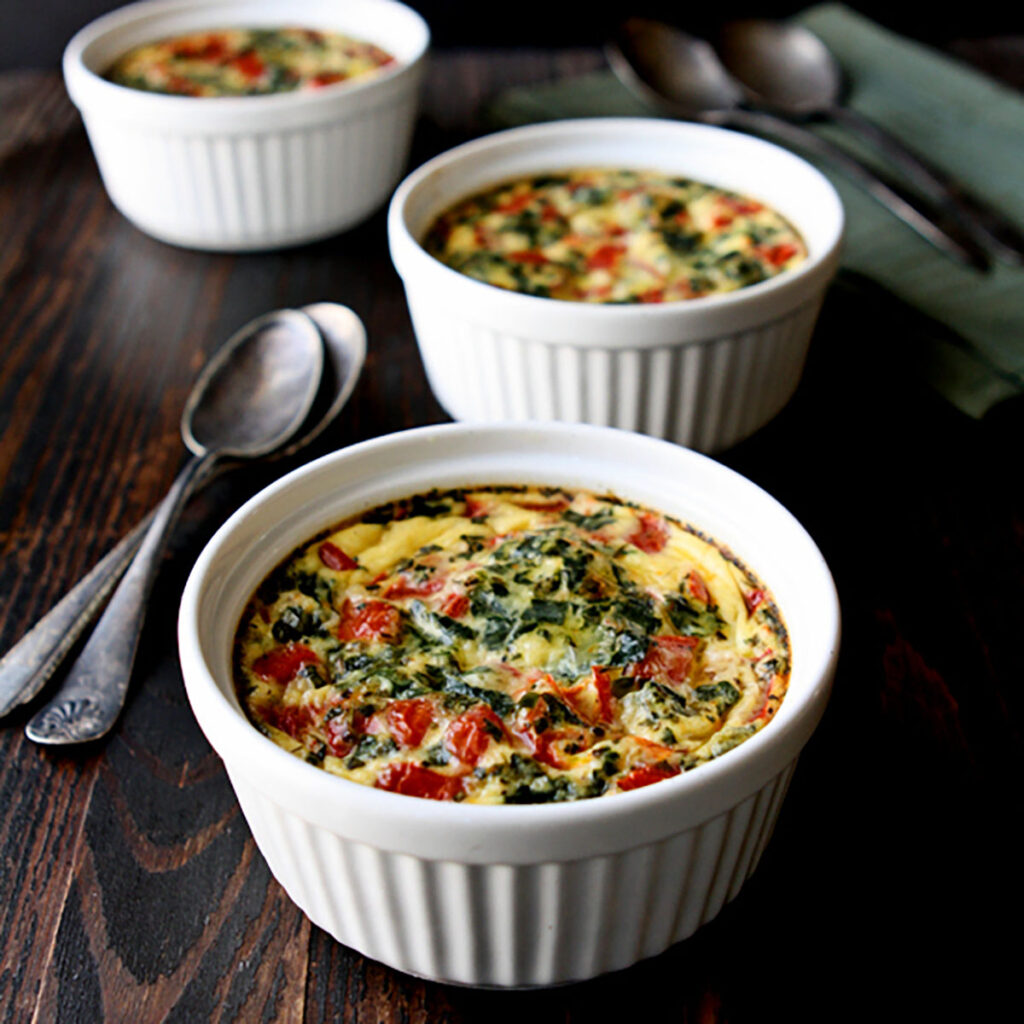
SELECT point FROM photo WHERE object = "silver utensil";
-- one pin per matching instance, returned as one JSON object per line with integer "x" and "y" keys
{"x": 786, "y": 68}
{"x": 684, "y": 77}
{"x": 251, "y": 398}
{"x": 30, "y": 664}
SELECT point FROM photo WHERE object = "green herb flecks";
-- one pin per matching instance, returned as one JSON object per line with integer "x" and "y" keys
{"x": 691, "y": 618}
{"x": 296, "y": 624}
{"x": 722, "y": 694}
{"x": 591, "y": 522}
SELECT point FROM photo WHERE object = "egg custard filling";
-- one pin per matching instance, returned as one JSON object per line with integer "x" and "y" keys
{"x": 614, "y": 236}
{"x": 510, "y": 645}
{"x": 247, "y": 62}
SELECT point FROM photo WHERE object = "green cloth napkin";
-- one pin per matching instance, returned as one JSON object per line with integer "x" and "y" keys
{"x": 962, "y": 121}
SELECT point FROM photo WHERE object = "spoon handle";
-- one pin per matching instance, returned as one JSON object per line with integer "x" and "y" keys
{"x": 28, "y": 666}
{"x": 93, "y": 694}
{"x": 933, "y": 223}
{"x": 989, "y": 225}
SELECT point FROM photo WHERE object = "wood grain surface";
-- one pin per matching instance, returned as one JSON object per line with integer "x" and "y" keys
{"x": 130, "y": 889}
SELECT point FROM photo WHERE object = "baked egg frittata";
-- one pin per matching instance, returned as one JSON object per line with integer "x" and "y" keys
{"x": 246, "y": 62}
{"x": 510, "y": 645}
{"x": 614, "y": 236}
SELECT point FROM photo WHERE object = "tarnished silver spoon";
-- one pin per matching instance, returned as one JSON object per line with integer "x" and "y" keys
{"x": 31, "y": 663}
{"x": 251, "y": 399}
{"x": 788, "y": 69}
{"x": 683, "y": 76}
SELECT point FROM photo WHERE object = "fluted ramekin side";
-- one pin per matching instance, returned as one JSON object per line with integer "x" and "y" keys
{"x": 254, "y": 190}
{"x": 513, "y": 925}
{"x": 706, "y": 396}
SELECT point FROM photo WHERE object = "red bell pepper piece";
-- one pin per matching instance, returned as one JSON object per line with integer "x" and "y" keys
{"x": 651, "y": 534}
{"x": 334, "y": 558}
{"x": 415, "y": 780}
{"x": 646, "y": 775}
{"x": 605, "y": 257}
{"x": 469, "y": 735}
{"x": 405, "y": 587}
{"x": 698, "y": 588}
{"x": 669, "y": 659}
{"x": 455, "y": 606}
{"x": 409, "y": 720}
{"x": 283, "y": 663}
{"x": 373, "y": 620}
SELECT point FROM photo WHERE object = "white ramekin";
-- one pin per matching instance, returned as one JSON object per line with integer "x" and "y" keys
{"x": 501, "y": 895}
{"x": 705, "y": 373}
{"x": 251, "y": 172}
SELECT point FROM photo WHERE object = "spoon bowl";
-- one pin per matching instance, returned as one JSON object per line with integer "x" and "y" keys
{"x": 257, "y": 389}
{"x": 668, "y": 67}
{"x": 344, "y": 344}
{"x": 782, "y": 65}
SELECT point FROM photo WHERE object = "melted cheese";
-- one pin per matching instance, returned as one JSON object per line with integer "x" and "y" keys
{"x": 510, "y": 645}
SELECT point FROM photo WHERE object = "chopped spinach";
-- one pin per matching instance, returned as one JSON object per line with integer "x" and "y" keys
{"x": 555, "y": 712}
{"x": 592, "y": 195}
{"x": 432, "y": 628}
{"x": 311, "y": 584}
{"x": 591, "y": 522}
{"x": 317, "y": 754}
{"x": 295, "y": 623}
{"x": 549, "y": 180}
{"x": 627, "y": 648}
{"x": 671, "y": 210}
{"x": 368, "y": 748}
{"x": 526, "y": 782}
{"x": 312, "y": 673}
{"x": 660, "y": 702}
{"x": 436, "y": 755}
{"x": 382, "y": 514}
{"x": 691, "y": 618}
{"x": 729, "y": 738}
{"x": 723, "y": 694}
{"x": 680, "y": 241}
{"x": 499, "y": 622}
{"x": 428, "y": 505}
{"x": 639, "y": 610}
{"x": 500, "y": 703}
{"x": 542, "y": 611}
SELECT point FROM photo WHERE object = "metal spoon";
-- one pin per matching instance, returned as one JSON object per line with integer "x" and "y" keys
{"x": 29, "y": 665}
{"x": 249, "y": 400}
{"x": 788, "y": 69}
{"x": 683, "y": 75}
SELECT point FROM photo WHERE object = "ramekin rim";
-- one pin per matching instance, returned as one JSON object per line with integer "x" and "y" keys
{"x": 234, "y": 726}
{"x": 73, "y": 64}
{"x": 794, "y": 280}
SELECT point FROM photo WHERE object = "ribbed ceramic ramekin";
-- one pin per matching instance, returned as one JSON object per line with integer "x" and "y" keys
{"x": 705, "y": 373}
{"x": 250, "y": 172}
{"x": 509, "y": 895}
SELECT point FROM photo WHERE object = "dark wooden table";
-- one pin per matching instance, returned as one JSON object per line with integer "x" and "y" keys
{"x": 130, "y": 889}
